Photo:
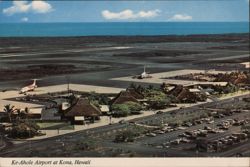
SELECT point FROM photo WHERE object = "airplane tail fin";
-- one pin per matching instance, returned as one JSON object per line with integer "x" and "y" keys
{"x": 34, "y": 82}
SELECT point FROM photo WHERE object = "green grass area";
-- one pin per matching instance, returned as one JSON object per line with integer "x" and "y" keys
{"x": 48, "y": 124}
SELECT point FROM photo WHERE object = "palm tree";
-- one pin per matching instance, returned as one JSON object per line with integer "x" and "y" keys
{"x": 164, "y": 87}
{"x": 9, "y": 110}
{"x": 25, "y": 113}
{"x": 21, "y": 114}
{"x": 18, "y": 115}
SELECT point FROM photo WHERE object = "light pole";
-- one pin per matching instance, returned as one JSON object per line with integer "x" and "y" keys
{"x": 110, "y": 119}
{"x": 68, "y": 81}
{"x": 1, "y": 139}
{"x": 29, "y": 142}
{"x": 197, "y": 152}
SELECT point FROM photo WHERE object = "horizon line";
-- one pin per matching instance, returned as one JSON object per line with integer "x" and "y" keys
{"x": 136, "y": 22}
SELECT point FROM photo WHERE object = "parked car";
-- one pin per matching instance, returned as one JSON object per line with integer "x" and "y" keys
{"x": 212, "y": 131}
{"x": 159, "y": 112}
{"x": 207, "y": 128}
{"x": 181, "y": 128}
{"x": 122, "y": 121}
{"x": 159, "y": 132}
{"x": 176, "y": 142}
{"x": 229, "y": 113}
{"x": 198, "y": 122}
{"x": 131, "y": 122}
{"x": 210, "y": 122}
{"x": 224, "y": 127}
{"x": 184, "y": 140}
{"x": 151, "y": 134}
{"x": 237, "y": 111}
{"x": 183, "y": 135}
{"x": 188, "y": 124}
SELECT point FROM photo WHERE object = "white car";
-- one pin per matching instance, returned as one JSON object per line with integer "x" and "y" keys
{"x": 151, "y": 134}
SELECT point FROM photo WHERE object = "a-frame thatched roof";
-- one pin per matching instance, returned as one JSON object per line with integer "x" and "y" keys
{"x": 123, "y": 97}
{"x": 83, "y": 108}
{"x": 134, "y": 93}
{"x": 181, "y": 93}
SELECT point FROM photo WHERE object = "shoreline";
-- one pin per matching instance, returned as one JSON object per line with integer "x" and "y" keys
{"x": 134, "y": 36}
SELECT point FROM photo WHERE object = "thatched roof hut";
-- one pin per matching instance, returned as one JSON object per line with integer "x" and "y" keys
{"x": 182, "y": 94}
{"x": 123, "y": 97}
{"x": 134, "y": 93}
{"x": 83, "y": 108}
{"x": 234, "y": 78}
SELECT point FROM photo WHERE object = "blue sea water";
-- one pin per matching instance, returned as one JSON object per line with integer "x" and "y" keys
{"x": 120, "y": 28}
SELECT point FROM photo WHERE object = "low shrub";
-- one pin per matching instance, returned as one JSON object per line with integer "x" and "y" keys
{"x": 128, "y": 108}
{"x": 24, "y": 129}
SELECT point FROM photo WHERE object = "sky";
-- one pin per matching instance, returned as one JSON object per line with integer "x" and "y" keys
{"x": 124, "y": 11}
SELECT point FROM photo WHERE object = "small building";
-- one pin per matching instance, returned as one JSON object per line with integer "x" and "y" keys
{"x": 82, "y": 111}
{"x": 104, "y": 109}
{"x": 194, "y": 90}
{"x": 187, "y": 95}
{"x": 182, "y": 94}
{"x": 123, "y": 97}
{"x": 50, "y": 114}
{"x": 134, "y": 93}
{"x": 245, "y": 64}
{"x": 208, "y": 91}
{"x": 35, "y": 113}
{"x": 65, "y": 105}
{"x": 235, "y": 78}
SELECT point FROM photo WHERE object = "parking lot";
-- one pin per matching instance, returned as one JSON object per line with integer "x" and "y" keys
{"x": 222, "y": 128}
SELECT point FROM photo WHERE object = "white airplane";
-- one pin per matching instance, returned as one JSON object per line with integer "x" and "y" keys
{"x": 143, "y": 75}
{"x": 29, "y": 87}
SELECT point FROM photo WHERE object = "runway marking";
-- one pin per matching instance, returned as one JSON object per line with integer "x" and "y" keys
{"x": 230, "y": 57}
{"x": 65, "y": 51}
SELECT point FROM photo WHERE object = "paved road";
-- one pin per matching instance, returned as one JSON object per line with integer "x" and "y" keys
{"x": 4, "y": 142}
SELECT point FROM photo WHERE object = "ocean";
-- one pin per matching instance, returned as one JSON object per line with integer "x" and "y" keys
{"x": 120, "y": 28}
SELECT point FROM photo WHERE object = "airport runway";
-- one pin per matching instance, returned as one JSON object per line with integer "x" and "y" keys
{"x": 11, "y": 55}
{"x": 19, "y": 57}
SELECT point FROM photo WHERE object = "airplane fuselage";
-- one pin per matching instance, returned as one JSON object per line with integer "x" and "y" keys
{"x": 28, "y": 88}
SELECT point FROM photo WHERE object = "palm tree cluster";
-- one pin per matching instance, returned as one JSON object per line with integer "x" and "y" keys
{"x": 13, "y": 112}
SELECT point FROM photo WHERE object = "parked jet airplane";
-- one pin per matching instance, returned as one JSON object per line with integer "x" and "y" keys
{"x": 29, "y": 87}
{"x": 143, "y": 75}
